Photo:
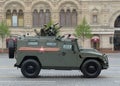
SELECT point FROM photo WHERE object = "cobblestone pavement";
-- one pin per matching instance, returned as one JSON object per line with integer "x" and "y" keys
{"x": 10, "y": 76}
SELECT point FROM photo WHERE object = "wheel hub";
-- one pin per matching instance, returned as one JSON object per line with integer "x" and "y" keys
{"x": 91, "y": 69}
{"x": 30, "y": 69}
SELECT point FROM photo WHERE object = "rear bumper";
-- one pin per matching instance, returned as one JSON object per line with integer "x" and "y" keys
{"x": 15, "y": 65}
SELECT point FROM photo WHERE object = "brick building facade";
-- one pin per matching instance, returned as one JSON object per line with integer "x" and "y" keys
{"x": 23, "y": 16}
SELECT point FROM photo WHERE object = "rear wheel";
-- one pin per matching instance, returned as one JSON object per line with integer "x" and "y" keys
{"x": 11, "y": 53}
{"x": 30, "y": 68}
{"x": 11, "y": 47}
{"x": 91, "y": 68}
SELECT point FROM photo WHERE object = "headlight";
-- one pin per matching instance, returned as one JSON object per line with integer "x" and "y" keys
{"x": 105, "y": 58}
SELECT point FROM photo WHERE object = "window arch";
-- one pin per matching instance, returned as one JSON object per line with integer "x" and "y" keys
{"x": 14, "y": 18}
{"x": 95, "y": 15}
{"x": 68, "y": 18}
{"x": 62, "y": 18}
{"x": 42, "y": 17}
{"x": 35, "y": 18}
{"x": 95, "y": 18}
{"x": 8, "y": 18}
{"x": 74, "y": 17}
{"x": 117, "y": 22}
{"x": 20, "y": 18}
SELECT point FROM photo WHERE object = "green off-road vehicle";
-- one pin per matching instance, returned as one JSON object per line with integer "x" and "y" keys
{"x": 60, "y": 53}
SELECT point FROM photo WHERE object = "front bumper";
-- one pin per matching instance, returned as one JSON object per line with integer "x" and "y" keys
{"x": 106, "y": 66}
{"x": 106, "y": 62}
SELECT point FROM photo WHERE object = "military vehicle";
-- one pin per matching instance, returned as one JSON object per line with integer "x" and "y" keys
{"x": 60, "y": 53}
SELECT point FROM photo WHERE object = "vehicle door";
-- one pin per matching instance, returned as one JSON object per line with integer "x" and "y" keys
{"x": 49, "y": 56}
{"x": 69, "y": 55}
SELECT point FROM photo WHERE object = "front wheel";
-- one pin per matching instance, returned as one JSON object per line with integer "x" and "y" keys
{"x": 30, "y": 68}
{"x": 91, "y": 68}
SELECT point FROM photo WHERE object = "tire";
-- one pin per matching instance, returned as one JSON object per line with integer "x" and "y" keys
{"x": 11, "y": 53}
{"x": 11, "y": 47}
{"x": 91, "y": 68}
{"x": 30, "y": 68}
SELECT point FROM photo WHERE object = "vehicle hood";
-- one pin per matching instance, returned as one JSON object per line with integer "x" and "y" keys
{"x": 91, "y": 52}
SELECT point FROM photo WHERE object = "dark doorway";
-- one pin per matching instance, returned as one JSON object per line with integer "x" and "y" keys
{"x": 117, "y": 40}
{"x": 117, "y": 22}
{"x": 95, "y": 42}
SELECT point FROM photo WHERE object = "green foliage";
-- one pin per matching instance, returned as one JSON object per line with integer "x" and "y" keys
{"x": 49, "y": 24}
{"x": 83, "y": 30}
{"x": 4, "y": 30}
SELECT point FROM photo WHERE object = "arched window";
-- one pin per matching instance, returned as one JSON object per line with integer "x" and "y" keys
{"x": 35, "y": 18}
{"x": 14, "y": 18}
{"x": 9, "y": 18}
{"x": 95, "y": 12}
{"x": 95, "y": 18}
{"x": 74, "y": 18}
{"x": 48, "y": 14}
{"x": 117, "y": 22}
{"x": 41, "y": 18}
{"x": 68, "y": 18}
{"x": 62, "y": 18}
{"x": 20, "y": 18}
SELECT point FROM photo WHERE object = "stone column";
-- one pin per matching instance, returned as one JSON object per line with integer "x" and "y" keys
{"x": 28, "y": 15}
{"x": 79, "y": 15}
{"x": 55, "y": 16}
{"x": 28, "y": 20}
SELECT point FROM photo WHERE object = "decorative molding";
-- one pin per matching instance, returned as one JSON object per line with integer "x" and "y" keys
{"x": 13, "y": 6}
{"x": 39, "y": 6}
{"x": 55, "y": 2}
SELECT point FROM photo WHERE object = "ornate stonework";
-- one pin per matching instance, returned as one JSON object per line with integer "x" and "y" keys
{"x": 39, "y": 6}
{"x": 13, "y": 6}
{"x": 70, "y": 6}
{"x": 105, "y": 11}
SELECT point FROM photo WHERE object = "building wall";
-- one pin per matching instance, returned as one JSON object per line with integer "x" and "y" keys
{"x": 106, "y": 11}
